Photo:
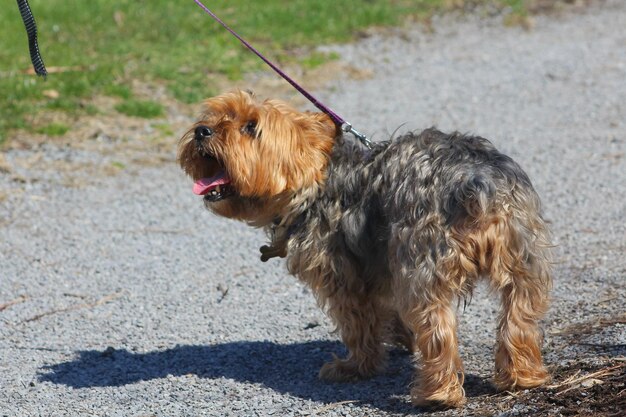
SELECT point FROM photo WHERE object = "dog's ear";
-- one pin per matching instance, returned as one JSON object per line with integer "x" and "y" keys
{"x": 311, "y": 140}
{"x": 322, "y": 125}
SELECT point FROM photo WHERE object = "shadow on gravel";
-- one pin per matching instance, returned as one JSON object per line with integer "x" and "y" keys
{"x": 290, "y": 369}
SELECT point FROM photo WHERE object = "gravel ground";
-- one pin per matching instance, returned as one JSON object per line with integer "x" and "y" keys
{"x": 121, "y": 296}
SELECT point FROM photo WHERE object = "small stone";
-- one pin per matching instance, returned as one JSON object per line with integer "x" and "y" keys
{"x": 108, "y": 352}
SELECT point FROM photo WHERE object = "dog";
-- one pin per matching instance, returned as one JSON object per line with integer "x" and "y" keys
{"x": 390, "y": 239}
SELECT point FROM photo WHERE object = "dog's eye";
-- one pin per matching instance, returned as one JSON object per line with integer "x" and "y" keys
{"x": 250, "y": 129}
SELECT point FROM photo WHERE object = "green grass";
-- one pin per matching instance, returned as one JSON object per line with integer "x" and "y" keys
{"x": 102, "y": 45}
{"x": 518, "y": 7}
{"x": 118, "y": 90}
{"x": 140, "y": 108}
{"x": 164, "y": 129}
{"x": 317, "y": 59}
{"x": 54, "y": 129}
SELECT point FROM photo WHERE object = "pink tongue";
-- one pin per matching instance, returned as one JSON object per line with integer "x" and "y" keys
{"x": 204, "y": 185}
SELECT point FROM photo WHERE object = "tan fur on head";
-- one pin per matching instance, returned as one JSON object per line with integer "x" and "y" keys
{"x": 269, "y": 150}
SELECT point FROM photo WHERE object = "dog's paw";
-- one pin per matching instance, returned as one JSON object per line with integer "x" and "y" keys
{"x": 345, "y": 370}
{"x": 340, "y": 371}
{"x": 518, "y": 379}
{"x": 443, "y": 399}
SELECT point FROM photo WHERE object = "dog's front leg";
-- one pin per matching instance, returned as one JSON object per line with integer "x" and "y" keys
{"x": 360, "y": 322}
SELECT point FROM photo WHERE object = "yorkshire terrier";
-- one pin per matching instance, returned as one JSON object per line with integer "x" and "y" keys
{"x": 389, "y": 239}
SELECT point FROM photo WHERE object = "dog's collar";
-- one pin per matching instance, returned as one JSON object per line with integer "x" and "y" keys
{"x": 292, "y": 228}
{"x": 279, "y": 235}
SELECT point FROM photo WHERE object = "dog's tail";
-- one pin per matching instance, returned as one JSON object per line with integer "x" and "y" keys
{"x": 471, "y": 196}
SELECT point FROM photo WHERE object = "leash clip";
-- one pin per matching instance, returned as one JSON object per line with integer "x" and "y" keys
{"x": 347, "y": 128}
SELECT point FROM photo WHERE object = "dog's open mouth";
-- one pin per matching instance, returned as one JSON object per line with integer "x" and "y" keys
{"x": 214, "y": 188}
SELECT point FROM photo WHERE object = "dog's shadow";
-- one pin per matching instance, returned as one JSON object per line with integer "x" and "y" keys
{"x": 290, "y": 369}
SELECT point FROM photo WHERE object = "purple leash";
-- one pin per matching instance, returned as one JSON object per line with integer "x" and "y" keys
{"x": 338, "y": 120}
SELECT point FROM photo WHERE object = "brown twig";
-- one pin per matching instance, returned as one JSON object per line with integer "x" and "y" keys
{"x": 565, "y": 382}
{"x": 333, "y": 405}
{"x": 607, "y": 299}
{"x": 8, "y": 304}
{"x": 97, "y": 303}
{"x": 588, "y": 327}
{"x": 58, "y": 70}
{"x": 575, "y": 379}
{"x": 224, "y": 290}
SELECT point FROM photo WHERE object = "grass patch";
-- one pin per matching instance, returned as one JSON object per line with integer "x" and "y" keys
{"x": 118, "y": 90}
{"x": 140, "y": 108}
{"x": 317, "y": 59}
{"x": 54, "y": 129}
{"x": 99, "y": 46}
{"x": 164, "y": 129}
{"x": 518, "y": 7}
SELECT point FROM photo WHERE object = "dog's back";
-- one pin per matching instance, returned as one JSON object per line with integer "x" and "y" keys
{"x": 400, "y": 232}
{"x": 424, "y": 184}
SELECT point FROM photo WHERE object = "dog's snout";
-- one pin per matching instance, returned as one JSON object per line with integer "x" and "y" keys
{"x": 202, "y": 132}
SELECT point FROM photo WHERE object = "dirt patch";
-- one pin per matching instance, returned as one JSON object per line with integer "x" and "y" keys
{"x": 578, "y": 389}
{"x": 552, "y": 6}
{"x": 583, "y": 390}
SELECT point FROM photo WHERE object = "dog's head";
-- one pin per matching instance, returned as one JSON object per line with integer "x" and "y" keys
{"x": 248, "y": 158}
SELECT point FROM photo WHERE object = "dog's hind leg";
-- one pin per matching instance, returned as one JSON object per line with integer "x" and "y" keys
{"x": 520, "y": 270}
{"x": 519, "y": 363}
{"x": 426, "y": 291}
{"x": 440, "y": 378}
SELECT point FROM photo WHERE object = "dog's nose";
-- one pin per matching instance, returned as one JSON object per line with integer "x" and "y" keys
{"x": 202, "y": 132}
